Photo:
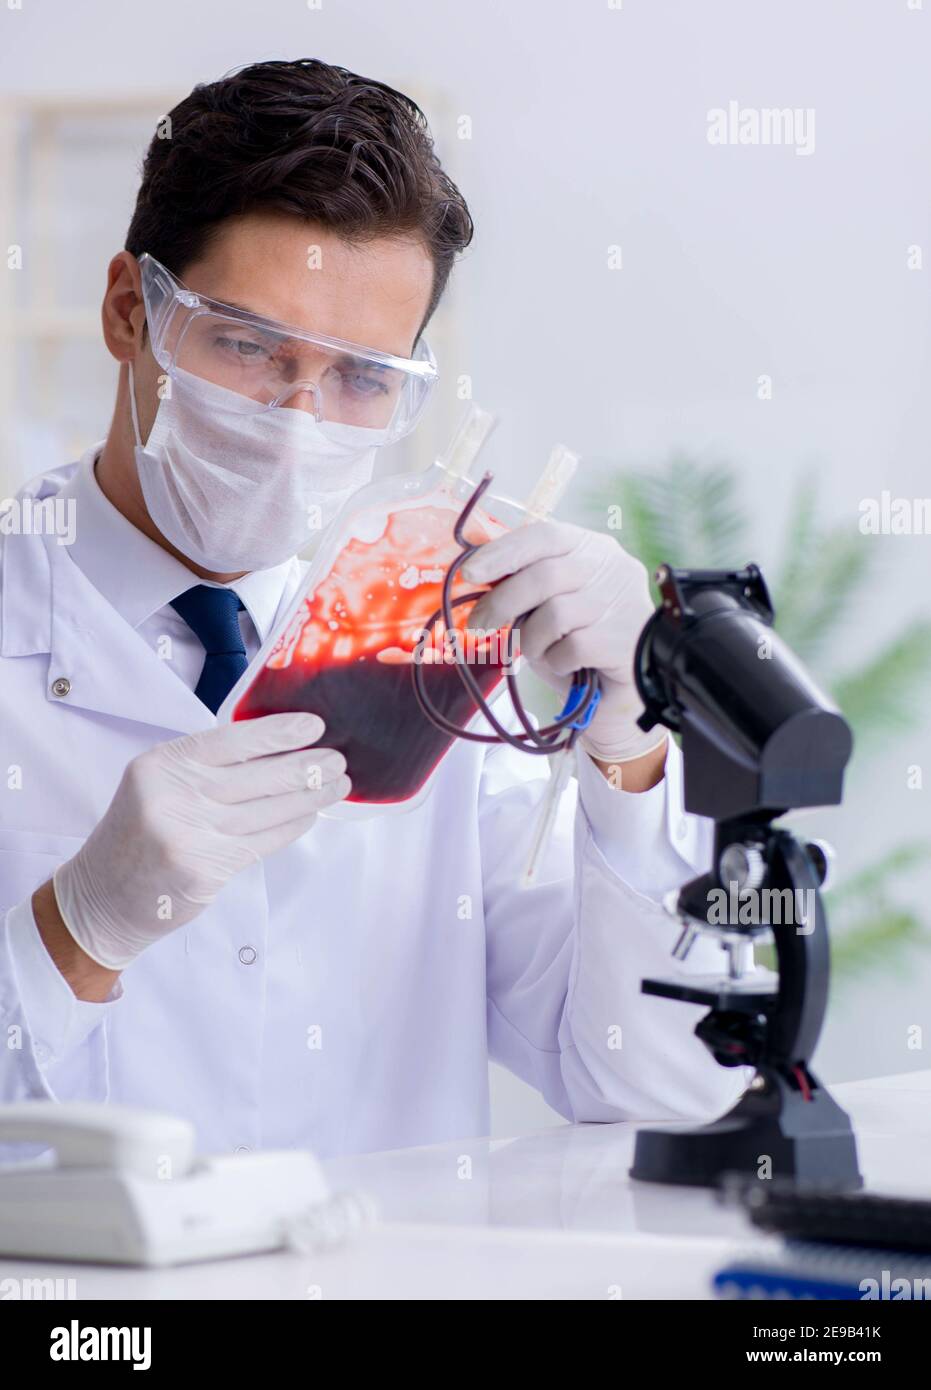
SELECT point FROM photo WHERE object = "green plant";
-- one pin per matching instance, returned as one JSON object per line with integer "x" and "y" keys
{"x": 689, "y": 513}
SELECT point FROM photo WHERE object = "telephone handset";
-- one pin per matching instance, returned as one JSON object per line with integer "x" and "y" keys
{"x": 102, "y": 1136}
{"x": 125, "y": 1187}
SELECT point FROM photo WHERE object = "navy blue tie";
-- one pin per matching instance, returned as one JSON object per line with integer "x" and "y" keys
{"x": 213, "y": 617}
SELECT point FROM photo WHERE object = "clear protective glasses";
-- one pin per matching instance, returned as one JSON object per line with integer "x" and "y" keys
{"x": 267, "y": 364}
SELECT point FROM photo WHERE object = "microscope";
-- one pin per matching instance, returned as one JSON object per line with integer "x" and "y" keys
{"x": 758, "y": 739}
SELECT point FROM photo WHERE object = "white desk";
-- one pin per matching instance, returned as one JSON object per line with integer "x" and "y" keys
{"x": 550, "y": 1215}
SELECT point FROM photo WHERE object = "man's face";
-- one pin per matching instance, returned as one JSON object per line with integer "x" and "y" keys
{"x": 375, "y": 294}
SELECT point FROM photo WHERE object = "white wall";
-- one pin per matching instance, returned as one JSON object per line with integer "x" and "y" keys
{"x": 589, "y": 129}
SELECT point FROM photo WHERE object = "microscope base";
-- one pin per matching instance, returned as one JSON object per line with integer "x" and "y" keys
{"x": 805, "y": 1141}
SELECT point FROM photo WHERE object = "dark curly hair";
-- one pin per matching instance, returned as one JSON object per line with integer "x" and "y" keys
{"x": 301, "y": 137}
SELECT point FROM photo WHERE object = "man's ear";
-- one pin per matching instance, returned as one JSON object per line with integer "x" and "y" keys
{"x": 122, "y": 313}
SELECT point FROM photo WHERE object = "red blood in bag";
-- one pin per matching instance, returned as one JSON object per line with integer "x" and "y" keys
{"x": 347, "y": 655}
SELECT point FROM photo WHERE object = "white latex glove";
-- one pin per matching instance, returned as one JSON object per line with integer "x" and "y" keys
{"x": 186, "y": 816}
{"x": 588, "y": 601}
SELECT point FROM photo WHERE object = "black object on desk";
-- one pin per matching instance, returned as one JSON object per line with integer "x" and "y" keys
{"x": 861, "y": 1219}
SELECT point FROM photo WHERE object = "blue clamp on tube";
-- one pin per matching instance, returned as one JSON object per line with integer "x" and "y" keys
{"x": 576, "y": 695}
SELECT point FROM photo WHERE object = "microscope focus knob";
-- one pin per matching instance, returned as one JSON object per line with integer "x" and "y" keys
{"x": 822, "y": 858}
{"x": 742, "y": 865}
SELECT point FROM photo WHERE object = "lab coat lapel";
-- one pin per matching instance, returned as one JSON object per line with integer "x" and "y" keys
{"x": 109, "y": 668}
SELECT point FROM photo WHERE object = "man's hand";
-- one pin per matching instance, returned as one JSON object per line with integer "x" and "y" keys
{"x": 187, "y": 816}
{"x": 588, "y": 601}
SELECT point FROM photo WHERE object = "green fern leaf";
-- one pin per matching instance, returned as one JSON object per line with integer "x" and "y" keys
{"x": 887, "y": 695}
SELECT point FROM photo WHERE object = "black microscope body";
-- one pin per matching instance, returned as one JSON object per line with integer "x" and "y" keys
{"x": 758, "y": 739}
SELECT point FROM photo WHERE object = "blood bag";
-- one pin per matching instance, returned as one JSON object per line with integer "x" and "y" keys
{"x": 365, "y": 613}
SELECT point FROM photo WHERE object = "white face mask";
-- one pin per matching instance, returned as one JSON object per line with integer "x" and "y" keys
{"x": 235, "y": 490}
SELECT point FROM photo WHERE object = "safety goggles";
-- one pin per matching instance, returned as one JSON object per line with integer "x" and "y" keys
{"x": 268, "y": 364}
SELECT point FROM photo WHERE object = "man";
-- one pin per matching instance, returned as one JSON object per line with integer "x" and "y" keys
{"x": 181, "y": 931}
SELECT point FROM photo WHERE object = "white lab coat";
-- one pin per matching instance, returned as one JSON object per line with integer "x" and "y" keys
{"x": 347, "y": 993}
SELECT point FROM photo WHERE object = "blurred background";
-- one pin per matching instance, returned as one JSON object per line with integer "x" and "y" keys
{"x": 735, "y": 337}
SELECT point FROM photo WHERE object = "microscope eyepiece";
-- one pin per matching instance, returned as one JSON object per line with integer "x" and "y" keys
{"x": 758, "y": 734}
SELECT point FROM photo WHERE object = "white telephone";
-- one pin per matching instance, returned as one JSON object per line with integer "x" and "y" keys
{"x": 126, "y": 1188}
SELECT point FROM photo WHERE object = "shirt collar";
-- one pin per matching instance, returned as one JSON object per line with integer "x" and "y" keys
{"x": 137, "y": 576}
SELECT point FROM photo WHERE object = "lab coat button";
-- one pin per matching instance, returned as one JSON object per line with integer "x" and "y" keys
{"x": 61, "y": 687}
{"x": 682, "y": 829}
{"x": 247, "y": 955}
{"x": 42, "y": 1053}
{"x": 243, "y": 1149}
